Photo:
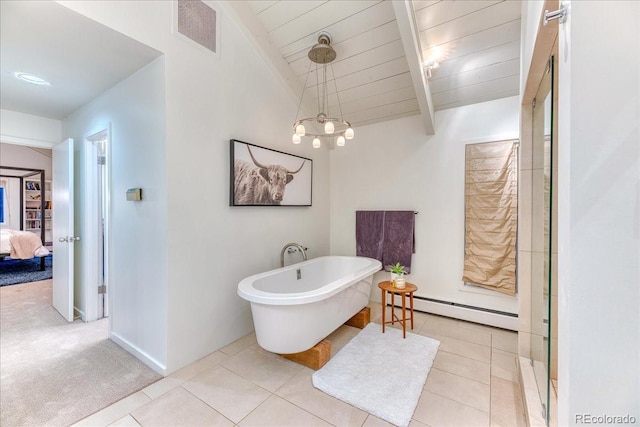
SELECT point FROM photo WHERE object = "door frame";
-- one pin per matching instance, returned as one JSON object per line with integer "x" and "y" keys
{"x": 544, "y": 45}
{"x": 90, "y": 213}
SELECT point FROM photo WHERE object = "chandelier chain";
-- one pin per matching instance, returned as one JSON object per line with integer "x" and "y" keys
{"x": 333, "y": 73}
{"x": 317, "y": 88}
{"x": 325, "y": 99}
{"x": 303, "y": 89}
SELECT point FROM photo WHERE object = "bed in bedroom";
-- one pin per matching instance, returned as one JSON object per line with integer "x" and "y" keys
{"x": 21, "y": 244}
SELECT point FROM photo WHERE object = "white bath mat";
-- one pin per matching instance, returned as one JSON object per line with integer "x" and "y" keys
{"x": 382, "y": 374}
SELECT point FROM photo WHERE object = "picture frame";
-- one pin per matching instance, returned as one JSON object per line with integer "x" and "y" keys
{"x": 262, "y": 176}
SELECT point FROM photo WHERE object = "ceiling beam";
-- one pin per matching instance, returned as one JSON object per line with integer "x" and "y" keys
{"x": 411, "y": 42}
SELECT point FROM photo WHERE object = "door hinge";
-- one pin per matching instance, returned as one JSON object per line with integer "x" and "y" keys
{"x": 533, "y": 103}
{"x": 102, "y": 160}
{"x": 102, "y": 289}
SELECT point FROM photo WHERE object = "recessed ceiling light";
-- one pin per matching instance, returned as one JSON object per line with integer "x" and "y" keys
{"x": 30, "y": 78}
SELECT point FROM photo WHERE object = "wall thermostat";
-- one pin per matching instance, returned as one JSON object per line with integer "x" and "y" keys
{"x": 134, "y": 194}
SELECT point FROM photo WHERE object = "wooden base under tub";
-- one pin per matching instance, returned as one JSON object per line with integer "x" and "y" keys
{"x": 361, "y": 319}
{"x": 314, "y": 358}
{"x": 318, "y": 355}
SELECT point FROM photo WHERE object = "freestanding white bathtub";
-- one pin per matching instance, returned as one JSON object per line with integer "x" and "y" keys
{"x": 295, "y": 307}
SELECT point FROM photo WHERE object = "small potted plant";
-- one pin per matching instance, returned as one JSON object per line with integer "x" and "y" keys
{"x": 397, "y": 274}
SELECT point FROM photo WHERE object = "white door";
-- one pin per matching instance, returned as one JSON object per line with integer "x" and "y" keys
{"x": 63, "y": 237}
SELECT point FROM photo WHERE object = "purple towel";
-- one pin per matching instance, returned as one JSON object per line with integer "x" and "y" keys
{"x": 369, "y": 234}
{"x": 399, "y": 238}
{"x": 387, "y": 236}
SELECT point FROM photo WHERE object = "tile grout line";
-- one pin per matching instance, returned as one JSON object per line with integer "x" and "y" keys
{"x": 462, "y": 403}
{"x": 460, "y": 376}
{"x": 218, "y": 412}
{"x": 134, "y": 418}
{"x": 273, "y": 393}
{"x": 490, "y": 381}
{"x": 465, "y": 357}
{"x": 311, "y": 413}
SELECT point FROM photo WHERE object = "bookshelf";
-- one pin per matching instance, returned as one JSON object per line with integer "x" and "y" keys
{"x": 33, "y": 217}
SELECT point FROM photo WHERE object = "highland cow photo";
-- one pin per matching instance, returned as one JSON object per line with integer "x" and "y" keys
{"x": 264, "y": 177}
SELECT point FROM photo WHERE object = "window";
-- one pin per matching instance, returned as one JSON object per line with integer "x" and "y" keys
{"x": 2, "y": 204}
{"x": 491, "y": 212}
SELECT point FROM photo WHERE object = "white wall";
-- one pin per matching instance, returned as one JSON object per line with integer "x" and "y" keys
{"x": 211, "y": 246}
{"x": 25, "y": 157}
{"x": 599, "y": 205}
{"x": 394, "y": 166}
{"x": 135, "y": 111}
{"x": 27, "y": 129}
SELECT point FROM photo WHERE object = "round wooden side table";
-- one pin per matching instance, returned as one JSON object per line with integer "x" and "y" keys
{"x": 408, "y": 290}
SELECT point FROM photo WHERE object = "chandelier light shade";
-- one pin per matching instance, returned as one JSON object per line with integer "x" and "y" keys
{"x": 349, "y": 134}
{"x": 325, "y": 124}
{"x": 329, "y": 128}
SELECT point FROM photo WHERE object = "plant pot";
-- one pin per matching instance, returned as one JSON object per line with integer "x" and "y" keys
{"x": 400, "y": 282}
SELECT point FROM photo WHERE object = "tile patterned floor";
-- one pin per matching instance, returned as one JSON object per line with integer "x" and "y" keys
{"x": 473, "y": 382}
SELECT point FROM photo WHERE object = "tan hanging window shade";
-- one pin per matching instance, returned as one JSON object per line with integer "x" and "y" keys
{"x": 491, "y": 212}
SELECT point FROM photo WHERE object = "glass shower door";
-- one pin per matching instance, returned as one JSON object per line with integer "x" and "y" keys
{"x": 543, "y": 233}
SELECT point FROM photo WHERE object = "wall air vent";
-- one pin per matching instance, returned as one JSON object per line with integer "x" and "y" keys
{"x": 197, "y": 21}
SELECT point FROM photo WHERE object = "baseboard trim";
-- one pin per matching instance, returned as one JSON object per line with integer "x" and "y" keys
{"x": 480, "y": 315}
{"x": 139, "y": 354}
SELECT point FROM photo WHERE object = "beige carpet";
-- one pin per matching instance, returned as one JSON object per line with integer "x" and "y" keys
{"x": 54, "y": 373}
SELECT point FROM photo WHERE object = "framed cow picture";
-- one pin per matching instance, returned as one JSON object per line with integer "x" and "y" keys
{"x": 264, "y": 177}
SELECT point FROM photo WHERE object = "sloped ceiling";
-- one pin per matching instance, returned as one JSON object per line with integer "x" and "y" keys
{"x": 478, "y": 46}
{"x": 476, "y": 43}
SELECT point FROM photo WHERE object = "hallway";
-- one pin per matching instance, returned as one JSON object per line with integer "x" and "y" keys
{"x": 53, "y": 372}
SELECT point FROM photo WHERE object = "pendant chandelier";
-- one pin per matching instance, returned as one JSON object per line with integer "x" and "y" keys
{"x": 322, "y": 125}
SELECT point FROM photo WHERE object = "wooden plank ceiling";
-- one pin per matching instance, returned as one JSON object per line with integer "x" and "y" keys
{"x": 478, "y": 43}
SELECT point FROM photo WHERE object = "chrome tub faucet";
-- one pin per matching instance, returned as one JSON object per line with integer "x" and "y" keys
{"x": 293, "y": 248}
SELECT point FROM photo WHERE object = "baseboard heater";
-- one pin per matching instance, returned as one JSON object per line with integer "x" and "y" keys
{"x": 484, "y": 316}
